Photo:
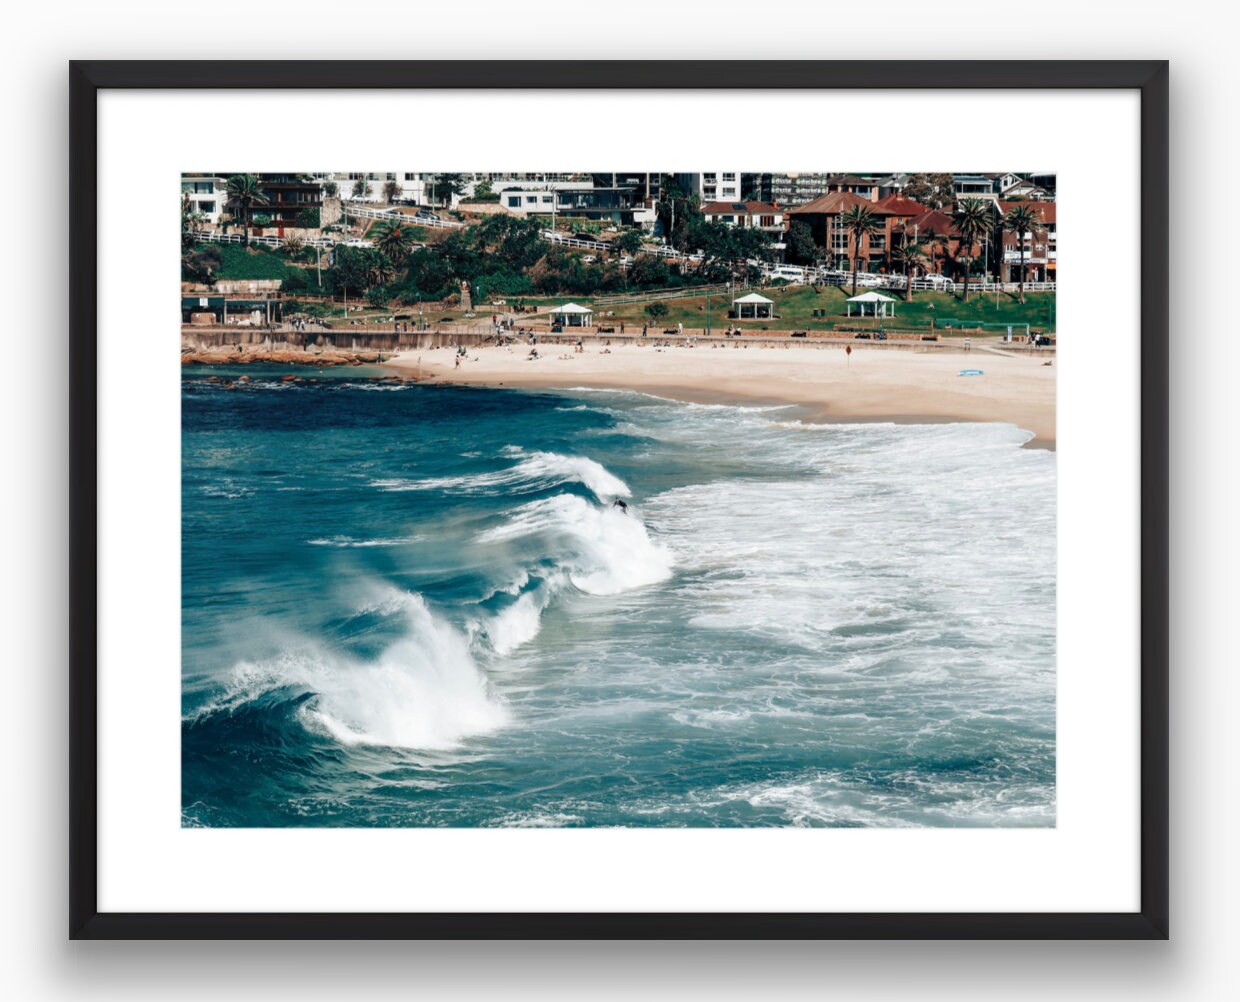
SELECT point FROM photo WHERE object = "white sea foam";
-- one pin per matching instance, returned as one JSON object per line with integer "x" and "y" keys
{"x": 603, "y": 551}
{"x": 424, "y": 691}
{"x": 535, "y": 471}
{"x": 346, "y": 542}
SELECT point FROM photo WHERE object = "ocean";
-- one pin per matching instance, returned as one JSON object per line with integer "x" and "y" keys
{"x": 413, "y": 605}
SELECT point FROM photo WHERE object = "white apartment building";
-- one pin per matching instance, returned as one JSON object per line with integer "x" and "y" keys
{"x": 712, "y": 186}
{"x": 207, "y": 195}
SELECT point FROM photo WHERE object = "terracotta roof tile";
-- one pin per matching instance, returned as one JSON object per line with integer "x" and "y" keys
{"x": 838, "y": 201}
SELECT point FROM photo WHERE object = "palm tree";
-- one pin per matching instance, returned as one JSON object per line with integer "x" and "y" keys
{"x": 383, "y": 271}
{"x": 244, "y": 192}
{"x": 860, "y": 222}
{"x": 910, "y": 257}
{"x": 935, "y": 241}
{"x": 998, "y": 227}
{"x": 392, "y": 238}
{"x": 972, "y": 220}
{"x": 1021, "y": 220}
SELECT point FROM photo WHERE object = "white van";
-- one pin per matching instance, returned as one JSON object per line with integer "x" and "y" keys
{"x": 789, "y": 273}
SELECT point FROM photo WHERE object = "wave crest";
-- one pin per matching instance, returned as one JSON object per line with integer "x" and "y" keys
{"x": 536, "y": 471}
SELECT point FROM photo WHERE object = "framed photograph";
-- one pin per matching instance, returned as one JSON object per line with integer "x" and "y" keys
{"x": 507, "y": 548}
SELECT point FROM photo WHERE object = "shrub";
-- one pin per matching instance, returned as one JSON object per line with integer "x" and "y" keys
{"x": 656, "y": 311}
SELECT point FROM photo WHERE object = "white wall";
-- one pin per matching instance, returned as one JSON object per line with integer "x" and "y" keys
{"x": 39, "y": 964}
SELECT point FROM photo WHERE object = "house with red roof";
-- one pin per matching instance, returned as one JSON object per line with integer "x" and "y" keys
{"x": 765, "y": 216}
{"x": 823, "y": 216}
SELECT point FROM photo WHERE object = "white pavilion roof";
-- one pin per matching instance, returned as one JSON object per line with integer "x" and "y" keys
{"x": 572, "y": 308}
{"x": 753, "y": 297}
{"x": 872, "y": 297}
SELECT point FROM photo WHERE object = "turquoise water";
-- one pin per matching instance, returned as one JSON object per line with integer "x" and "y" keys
{"x": 416, "y": 605}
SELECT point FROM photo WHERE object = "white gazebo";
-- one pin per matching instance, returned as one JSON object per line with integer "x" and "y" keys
{"x": 876, "y": 303}
{"x": 572, "y": 315}
{"x": 753, "y": 307}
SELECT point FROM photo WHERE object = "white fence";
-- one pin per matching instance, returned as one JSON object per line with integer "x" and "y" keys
{"x": 237, "y": 238}
{"x": 434, "y": 222}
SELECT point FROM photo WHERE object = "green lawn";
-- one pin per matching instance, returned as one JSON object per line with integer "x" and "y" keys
{"x": 795, "y": 305}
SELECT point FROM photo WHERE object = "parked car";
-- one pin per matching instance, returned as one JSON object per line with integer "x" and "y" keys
{"x": 939, "y": 281}
{"x": 863, "y": 336}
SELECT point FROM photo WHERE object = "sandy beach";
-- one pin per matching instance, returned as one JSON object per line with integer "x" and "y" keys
{"x": 873, "y": 383}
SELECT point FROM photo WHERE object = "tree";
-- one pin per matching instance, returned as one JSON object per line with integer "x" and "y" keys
{"x": 998, "y": 227}
{"x": 379, "y": 296}
{"x": 677, "y": 211}
{"x": 1021, "y": 220}
{"x": 936, "y": 241}
{"x": 972, "y": 219}
{"x": 309, "y": 219}
{"x": 483, "y": 192}
{"x": 330, "y": 189}
{"x": 444, "y": 186}
{"x": 244, "y": 192}
{"x": 936, "y": 190}
{"x": 910, "y": 256}
{"x": 649, "y": 270}
{"x": 354, "y": 271}
{"x": 391, "y": 190}
{"x": 191, "y": 218}
{"x": 392, "y": 238}
{"x": 656, "y": 311}
{"x": 361, "y": 189}
{"x": 628, "y": 243}
{"x": 801, "y": 246}
{"x": 861, "y": 222}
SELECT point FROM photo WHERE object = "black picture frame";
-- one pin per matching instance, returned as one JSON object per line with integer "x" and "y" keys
{"x": 1150, "y": 78}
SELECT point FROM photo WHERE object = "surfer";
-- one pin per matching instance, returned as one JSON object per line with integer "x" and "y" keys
{"x": 619, "y": 503}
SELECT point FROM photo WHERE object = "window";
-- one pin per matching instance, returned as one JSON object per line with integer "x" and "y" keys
{"x": 708, "y": 178}
{"x": 767, "y": 221}
{"x": 729, "y": 177}
{"x": 531, "y": 199}
{"x": 206, "y": 206}
{"x": 708, "y": 193}
{"x": 514, "y": 201}
{"x": 409, "y": 177}
{"x": 546, "y": 199}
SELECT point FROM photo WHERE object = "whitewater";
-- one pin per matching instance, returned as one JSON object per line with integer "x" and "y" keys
{"x": 423, "y": 607}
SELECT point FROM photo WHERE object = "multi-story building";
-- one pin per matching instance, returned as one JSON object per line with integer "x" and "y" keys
{"x": 207, "y": 195}
{"x": 824, "y": 217}
{"x": 287, "y": 195}
{"x": 712, "y": 186}
{"x": 1039, "y": 247}
{"x": 979, "y": 186}
{"x": 853, "y": 184}
{"x": 790, "y": 189}
{"x": 645, "y": 184}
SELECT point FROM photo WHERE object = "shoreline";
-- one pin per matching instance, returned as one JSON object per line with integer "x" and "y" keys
{"x": 834, "y": 387}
